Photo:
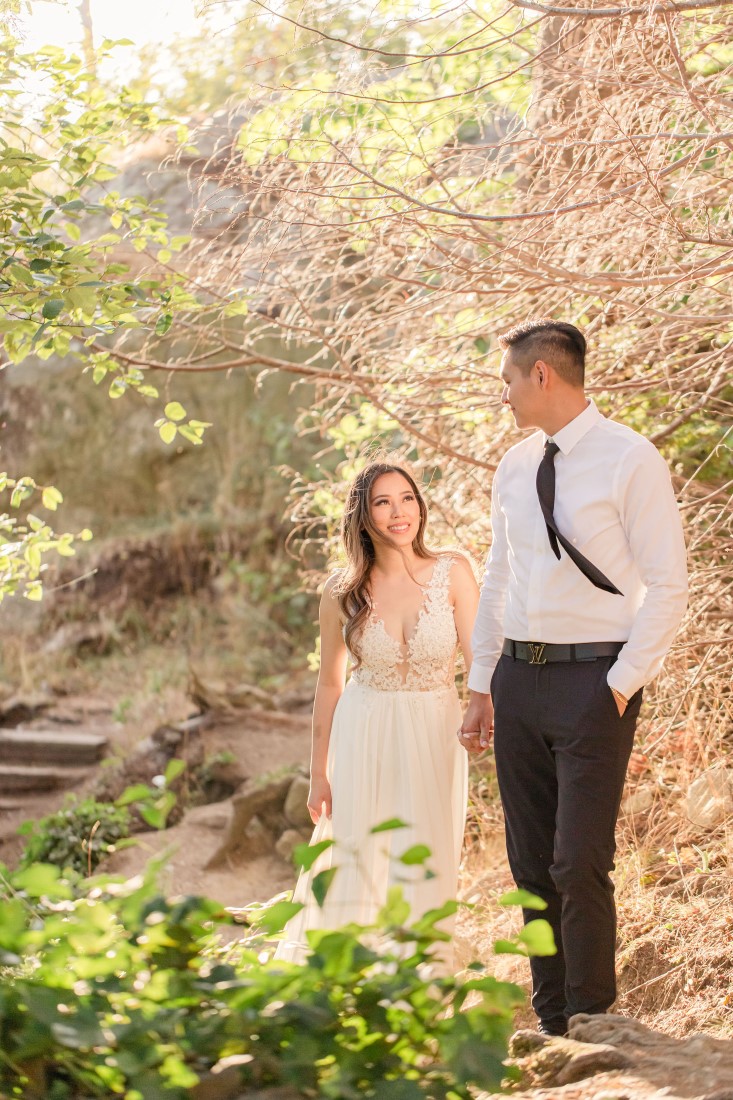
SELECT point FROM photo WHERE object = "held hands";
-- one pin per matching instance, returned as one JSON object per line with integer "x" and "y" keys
{"x": 478, "y": 723}
{"x": 319, "y": 798}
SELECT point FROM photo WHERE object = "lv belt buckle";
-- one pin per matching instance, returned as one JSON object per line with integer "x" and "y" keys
{"x": 537, "y": 653}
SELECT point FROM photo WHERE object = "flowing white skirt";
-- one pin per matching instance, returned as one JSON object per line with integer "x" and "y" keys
{"x": 392, "y": 754}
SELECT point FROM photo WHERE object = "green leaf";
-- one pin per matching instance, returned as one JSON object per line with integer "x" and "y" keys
{"x": 135, "y": 793}
{"x": 415, "y": 855}
{"x": 191, "y": 434}
{"x": 78, "y": 1033}
{"x": 274, "y": 918}
{"x": 175, "y": 768}
{"x": 51, "y": 498}
{"x": 152, "y": 816}
{"x": 538, "y": 937}
{"x": 322, "y": 883}
{"x": 523, "y": 898}
{"x": 175, "y": 411}
{"x": 236, "y": 309}
{"x": 387, "y": 826}
{"x": 509, "y": 947}
{"x": 168, "y": 431}
{"x": 52, "y": 308}
{"x": 396, "y": 909}
{"x": 305, "y": 855}
{"x": 163, "y": 324}
{"x": 42, "y": 879}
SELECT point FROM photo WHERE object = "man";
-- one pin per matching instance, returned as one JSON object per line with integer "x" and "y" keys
{"x": 585, "y": 586}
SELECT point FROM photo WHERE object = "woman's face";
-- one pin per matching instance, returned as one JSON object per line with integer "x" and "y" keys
{"x": 394, "y": 509}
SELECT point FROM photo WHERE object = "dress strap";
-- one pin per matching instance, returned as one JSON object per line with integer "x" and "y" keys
{"x": 439, "y": 583}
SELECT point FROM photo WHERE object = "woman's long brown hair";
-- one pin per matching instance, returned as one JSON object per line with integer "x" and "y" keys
{"x": 358, "y": 537}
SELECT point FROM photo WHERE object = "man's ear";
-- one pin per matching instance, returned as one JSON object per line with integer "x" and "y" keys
{"x": 543, "y": 372}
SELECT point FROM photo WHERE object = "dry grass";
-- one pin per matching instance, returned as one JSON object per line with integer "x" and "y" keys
{"x": 674, "y": 892}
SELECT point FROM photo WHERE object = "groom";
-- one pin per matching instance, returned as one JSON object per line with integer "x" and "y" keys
{"x": 585, "y": 586}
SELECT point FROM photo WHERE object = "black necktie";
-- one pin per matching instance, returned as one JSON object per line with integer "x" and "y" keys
{"x": 546, "y": 493}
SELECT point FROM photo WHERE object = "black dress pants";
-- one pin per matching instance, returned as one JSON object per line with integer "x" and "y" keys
{"x": 561, "y": 753}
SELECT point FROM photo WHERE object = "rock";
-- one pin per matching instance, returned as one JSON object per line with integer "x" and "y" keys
{"x": 146, "y": 759}
{"x": 260, "y": 794}
{"x": 66, "y": 748}
{"x": 21, "y": 708}
{"x": 20, "y": 778}
{"x": 215, "y": 696}
{"x": 588, "y": 1061}
{"x": 288, "y": 842}
{"x": 225, "y": 1084}
{"x": 710, "y": 797}
{"x": 298, "y": 699}
{"x": 296, "y": 803}
{"x": 257, "y": 797}
{"x": 215, "y": 816}
{"x": 257, "y": 840}
{"x": 558, "y": 1062}
{"x": 697, "y": 1065}
{"x": 639, "y": 801}
{"x": 97, "y": 636}
{"x": 525, "y": 1042}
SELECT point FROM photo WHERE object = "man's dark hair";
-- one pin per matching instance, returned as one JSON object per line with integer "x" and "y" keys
{"x": 560, "y": 345}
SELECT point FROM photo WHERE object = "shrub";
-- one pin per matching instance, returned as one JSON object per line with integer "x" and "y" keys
{"x": 77, "y": 836}
{"x": 110, "y": 989}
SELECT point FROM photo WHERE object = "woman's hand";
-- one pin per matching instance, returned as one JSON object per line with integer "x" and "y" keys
{"x": 319, "y": 798}
{"x": 478, "y": 723}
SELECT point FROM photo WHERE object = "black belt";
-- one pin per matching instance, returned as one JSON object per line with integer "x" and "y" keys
{"x": 539, "y": 653}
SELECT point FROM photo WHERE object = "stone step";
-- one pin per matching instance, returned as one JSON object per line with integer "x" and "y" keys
{"x": 63, "y": 747}
{"x": 16, "y": 779}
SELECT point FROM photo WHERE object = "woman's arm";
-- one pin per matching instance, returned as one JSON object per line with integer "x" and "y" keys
{"x": 328, "y": 691}
{"x": 465, "y": 595}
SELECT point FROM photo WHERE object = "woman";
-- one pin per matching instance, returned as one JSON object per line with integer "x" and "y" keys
{"x": 384, "y": 745}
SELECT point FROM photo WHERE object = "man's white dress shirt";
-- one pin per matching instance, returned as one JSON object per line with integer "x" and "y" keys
{"x": 614, "y": 500}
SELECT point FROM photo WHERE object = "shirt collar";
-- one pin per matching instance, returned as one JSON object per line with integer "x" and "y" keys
{"x": 573, "y": 432}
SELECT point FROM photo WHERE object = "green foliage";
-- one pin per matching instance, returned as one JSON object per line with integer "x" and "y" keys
{"x": 76, "y": 837}
{"x": 108, "y": 988}
{"x": 63, "y": 289}
{"x": 59, "y": 281}
{"x": 155, "y": 803}
{"x": 25, "y": 538}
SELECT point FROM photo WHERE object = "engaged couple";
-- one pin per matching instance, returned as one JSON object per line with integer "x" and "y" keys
{"x": 584, "y": 588}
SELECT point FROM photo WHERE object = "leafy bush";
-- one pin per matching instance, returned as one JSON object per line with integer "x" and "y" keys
{"x": 110, "y": 989}
{"x": 76, "y": 837}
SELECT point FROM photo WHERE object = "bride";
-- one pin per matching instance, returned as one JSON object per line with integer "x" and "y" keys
{"x": 384, "y": 744}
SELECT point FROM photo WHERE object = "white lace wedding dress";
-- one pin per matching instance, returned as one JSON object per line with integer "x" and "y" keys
{"x": 393, "y": 753}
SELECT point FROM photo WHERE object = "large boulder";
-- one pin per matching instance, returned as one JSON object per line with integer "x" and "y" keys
{"x": 296, "y": 803}
{"x": 710, "y": 797}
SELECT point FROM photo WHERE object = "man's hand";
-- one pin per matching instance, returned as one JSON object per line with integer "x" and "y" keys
{"x": 478, "y": 723}
{"x": 621, "y": 701}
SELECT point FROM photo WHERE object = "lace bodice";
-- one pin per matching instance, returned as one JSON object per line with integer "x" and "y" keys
{"x": 426, "y": 661}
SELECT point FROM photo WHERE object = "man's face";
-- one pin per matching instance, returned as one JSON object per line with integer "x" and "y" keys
{"x": 521, "y": 392}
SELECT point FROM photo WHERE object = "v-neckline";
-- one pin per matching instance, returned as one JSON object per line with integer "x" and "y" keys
{"x": 379, "y": 621}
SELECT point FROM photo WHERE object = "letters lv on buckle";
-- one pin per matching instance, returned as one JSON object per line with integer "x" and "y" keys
{"x": 537, "y": 653}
